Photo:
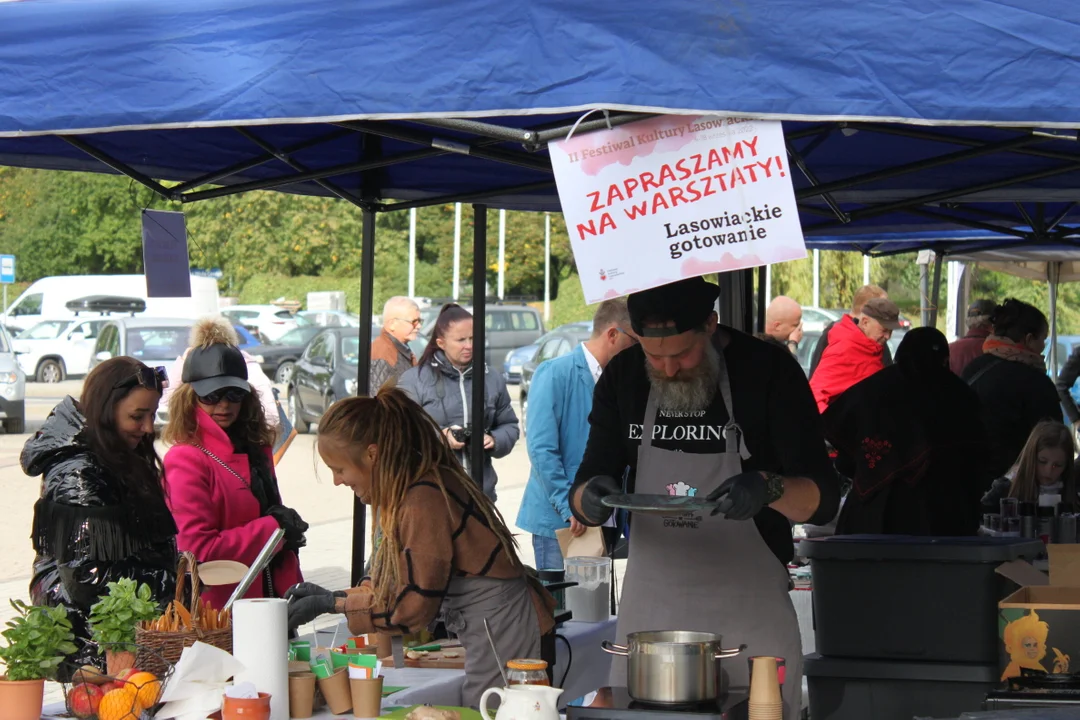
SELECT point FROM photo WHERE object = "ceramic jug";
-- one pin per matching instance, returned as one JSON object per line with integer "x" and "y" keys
{"x": 523, "y": 702}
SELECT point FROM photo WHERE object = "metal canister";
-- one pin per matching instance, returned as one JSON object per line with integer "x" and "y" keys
{"x": 1046, "y": 524}
{"x": 1066, "y": 528}
{"x": 1028, "y": 527}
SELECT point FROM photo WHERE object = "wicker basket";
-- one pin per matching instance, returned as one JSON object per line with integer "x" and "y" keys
{"x": 159, "y": 650}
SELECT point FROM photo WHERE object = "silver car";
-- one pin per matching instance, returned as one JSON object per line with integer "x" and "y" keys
{"x": 12, "y": 388}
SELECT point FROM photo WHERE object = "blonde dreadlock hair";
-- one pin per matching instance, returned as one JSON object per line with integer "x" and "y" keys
{"x": 410, "y": 448}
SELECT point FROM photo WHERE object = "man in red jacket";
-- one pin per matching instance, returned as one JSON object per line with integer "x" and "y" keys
{"x": 854, "y": 350}
{"x": 969, "y": 347}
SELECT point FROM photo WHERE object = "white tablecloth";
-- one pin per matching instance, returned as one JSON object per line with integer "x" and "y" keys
{"x": 588, "y": 665}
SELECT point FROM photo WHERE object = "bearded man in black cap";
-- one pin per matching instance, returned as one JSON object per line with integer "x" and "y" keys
{"x": 727, "y": 423}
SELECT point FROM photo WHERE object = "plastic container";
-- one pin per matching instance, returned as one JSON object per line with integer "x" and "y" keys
{"x": 590, "y": 600}
{"x": 882, "y": 690}
{"x": 886, "y": 690}
{"x": 911, "y": 598}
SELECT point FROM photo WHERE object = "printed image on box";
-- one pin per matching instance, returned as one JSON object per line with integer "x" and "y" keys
{"x": 1024, "y": 635}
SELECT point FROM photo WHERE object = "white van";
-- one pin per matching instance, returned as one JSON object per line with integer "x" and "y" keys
{"x": 47, "y": 298}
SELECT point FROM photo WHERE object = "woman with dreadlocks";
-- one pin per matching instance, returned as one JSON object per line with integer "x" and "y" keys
{"x": 445, "y": 550}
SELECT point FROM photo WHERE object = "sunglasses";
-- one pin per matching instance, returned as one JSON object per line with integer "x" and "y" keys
{"x": 233, "y": 395}
{"x": 151, "y": 378}
{"x": 415, "y": 323}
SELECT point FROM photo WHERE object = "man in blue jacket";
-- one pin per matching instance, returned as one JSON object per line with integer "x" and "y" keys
{"x": 560, "y": 400}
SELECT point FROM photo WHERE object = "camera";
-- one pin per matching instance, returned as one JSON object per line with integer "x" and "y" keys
{"x": 462, "y": 435}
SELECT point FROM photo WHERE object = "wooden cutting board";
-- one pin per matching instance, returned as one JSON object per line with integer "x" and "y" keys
{"x": 433, "y": 661}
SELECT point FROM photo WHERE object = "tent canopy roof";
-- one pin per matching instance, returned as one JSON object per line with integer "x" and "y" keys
{"x": 366, "y": 101}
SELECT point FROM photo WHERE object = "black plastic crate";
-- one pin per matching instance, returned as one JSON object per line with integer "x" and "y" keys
{"x": 890, "y": 597}
{"x": 887, "y": 690}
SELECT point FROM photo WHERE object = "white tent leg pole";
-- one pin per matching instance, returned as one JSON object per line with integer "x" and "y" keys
{"x": 953, "y": 314}
{"x": 502, "y": 253}
{"x": 547, "y": 267}
{"x": 817, "y": 278}
{"x": 457, "y": 251}
{"x": 412, "y": 252}
{"x": 768, "y": 283}
{"x": 865, "y": 269}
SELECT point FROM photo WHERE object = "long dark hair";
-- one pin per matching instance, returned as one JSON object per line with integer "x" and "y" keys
{"x": 138, "y": 472}
{"x": 450, "y": 313}
{"x": 1045, "y": 435}
{"x": 410, "y": 449}
{"x": 1016, "y": 320}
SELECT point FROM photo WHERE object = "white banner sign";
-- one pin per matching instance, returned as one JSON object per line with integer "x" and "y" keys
{"x": 673, "y": 197}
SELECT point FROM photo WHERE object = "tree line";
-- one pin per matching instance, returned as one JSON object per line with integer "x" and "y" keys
{"x": 269, "y": 244}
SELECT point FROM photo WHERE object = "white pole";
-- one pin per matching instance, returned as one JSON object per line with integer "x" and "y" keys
{"x": 768, "y": 283}
{"x": 865, "y": 269}
{"x": 457, "y": 251}
{"x": 547, "y": 268}
{"x": 954, "y": 314}
{"x": 817, "y": 278}
{"x": 412, "y": 252}
{"x": 502, "y": 251}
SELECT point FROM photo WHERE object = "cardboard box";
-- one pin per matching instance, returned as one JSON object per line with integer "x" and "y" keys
{"x": 1039, "y": 624}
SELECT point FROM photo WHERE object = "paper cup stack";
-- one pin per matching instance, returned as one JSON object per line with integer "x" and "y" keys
{"x": 766, "y": 701}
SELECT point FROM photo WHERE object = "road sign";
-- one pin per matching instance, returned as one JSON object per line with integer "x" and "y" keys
{"x": 7, "y": 269}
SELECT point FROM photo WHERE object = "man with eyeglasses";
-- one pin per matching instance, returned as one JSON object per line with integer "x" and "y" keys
{"x": 390, "y": 352}
{"x": 560, "y": 400}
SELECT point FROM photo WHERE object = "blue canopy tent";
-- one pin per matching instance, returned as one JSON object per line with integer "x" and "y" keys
{"x": 908, "y": 116}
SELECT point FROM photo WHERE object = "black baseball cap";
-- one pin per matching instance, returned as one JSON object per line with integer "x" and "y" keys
{"x": 686, "y": 303}
{"x": 215, "y": 367}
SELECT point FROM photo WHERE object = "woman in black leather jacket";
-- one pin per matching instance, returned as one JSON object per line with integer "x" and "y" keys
{"x": 102, "y": 514}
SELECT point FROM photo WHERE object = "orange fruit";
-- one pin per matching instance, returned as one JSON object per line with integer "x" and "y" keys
{"x": 148, "y": 688}
{"x": 119, "y": 704}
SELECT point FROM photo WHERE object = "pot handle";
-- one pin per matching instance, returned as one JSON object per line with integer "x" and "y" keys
{"x": 612, "y": 649}
{"x": 729, "y": 653}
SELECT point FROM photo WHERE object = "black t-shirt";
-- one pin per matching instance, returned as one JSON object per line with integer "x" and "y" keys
{"x": 772, "y": 404}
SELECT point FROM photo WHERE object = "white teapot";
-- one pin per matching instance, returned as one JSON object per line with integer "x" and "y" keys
{"x": 523, "y": 702}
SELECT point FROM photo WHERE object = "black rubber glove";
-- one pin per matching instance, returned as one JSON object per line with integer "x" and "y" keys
{"x": 741, "y": 496}
{"x": 308, "y": 601}
{"x": 294, "y": 526}
{"x": 597, "y": 488}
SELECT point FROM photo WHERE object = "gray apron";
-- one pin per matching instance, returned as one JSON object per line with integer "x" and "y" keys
{"x": 511, "y": 615}
{"x": 707, "y": 574}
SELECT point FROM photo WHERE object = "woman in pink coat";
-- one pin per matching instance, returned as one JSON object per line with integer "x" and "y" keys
{"x": 219, "y": 473}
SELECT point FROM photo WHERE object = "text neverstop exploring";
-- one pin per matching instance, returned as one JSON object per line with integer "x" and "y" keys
{"x": 650, "y": 192}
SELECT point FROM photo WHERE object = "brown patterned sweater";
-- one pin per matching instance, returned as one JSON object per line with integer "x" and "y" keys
{"x": 437, "y": 544}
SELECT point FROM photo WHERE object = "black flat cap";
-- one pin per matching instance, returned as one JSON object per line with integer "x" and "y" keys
{"x": 686, "y": 303}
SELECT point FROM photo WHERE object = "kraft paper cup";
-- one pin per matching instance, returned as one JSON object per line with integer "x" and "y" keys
{"x": 337, "y": 692}
{"x": 367, "y": 697}
{"x": 301, "y": 694}
{"x": 764, "y": 682}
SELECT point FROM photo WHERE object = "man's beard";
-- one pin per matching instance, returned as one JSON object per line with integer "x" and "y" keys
{"x": 690, "y": 390}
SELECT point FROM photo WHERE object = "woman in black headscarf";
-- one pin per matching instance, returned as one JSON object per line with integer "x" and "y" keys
{"x": 911, "y": 439}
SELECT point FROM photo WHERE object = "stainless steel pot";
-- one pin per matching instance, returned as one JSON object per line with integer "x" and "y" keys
{"x": 672, "y": 666}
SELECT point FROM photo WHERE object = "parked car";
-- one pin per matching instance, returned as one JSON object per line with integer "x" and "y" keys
{"x": 331, "y": 318}
{"x": 153, "y": 341}
{"x": 271, "y": 321}
{"x": 506, "y": 327}
{"x": 12, "y": 388}
{"x": 248, "y": 339}
{"x": 555, "y": 344}
{"x": 48, "y": 298}
{"x": 277, "y": 359}
{"x": 325, "y": 372}
{"x": 54, "y": 350}
{"x": 517, "y": 357}
{"x": 814, "y": 319}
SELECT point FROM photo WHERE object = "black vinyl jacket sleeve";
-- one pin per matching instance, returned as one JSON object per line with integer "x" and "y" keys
{"x": 772, "y": 403}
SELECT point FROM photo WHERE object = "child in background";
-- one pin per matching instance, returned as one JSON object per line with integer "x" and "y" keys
{"x": 1045, "y": 467}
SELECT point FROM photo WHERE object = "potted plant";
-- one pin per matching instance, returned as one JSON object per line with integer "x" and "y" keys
{"x": 38, "y": 640}
{"x": 113, "y": 620}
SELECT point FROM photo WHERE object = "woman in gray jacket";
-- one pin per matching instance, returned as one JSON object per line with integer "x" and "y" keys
{"x": 441, "y": 383}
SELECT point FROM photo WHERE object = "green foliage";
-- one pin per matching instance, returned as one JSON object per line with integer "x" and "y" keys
{"x": 114, "y": 617}
{"x": 38, "y": 639}
{"x": 60, "y": 223}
